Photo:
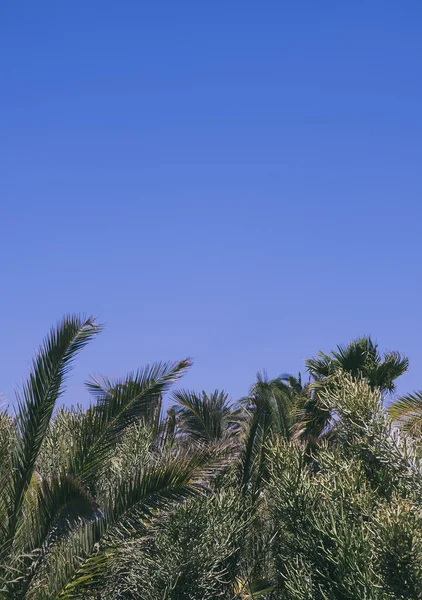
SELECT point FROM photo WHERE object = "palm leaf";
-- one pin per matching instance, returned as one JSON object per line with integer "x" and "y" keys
{"x": 53, "y": 509}
{"x": 320, "y": 366}
{"x": 361, "y": 358}
{"x": 251, "y": 459}
{"x": 166, "y": 431}
{"x": 408, "y": 411}
{"x": 393, "y": 366}
{"x": 58, "y": 505}
{"x": 204, "y": 417}
{"x": 37, "y": 400}
{"x": 119, "y": 404}
{"x": 84, "y": 558}
{"x": 269, "y": 406}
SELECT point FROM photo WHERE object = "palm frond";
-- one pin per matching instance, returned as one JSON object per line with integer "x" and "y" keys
{"x": 251, "y": 459}
{"x": 320, "y": 366}
{"x": 275, "y": 398}
{"x": 37, "y": 400}
{"x": 357, "y": 355}
{"x": 119, "y": 404}
{"x": 82, "y": 560}
{"x": 295, "y": 383}
{"x": 311, "y": 418}
{"x": 361, "y": 358}
{"x": 166, "y": 431}
{"x": 53, "y": 509}
{"x": 58, "y": 505}
{"x": 407, "y": 410}
{"x": 393, "y": 366}
{"x": 204, "y": 417}
{"x": 270, "y": 406}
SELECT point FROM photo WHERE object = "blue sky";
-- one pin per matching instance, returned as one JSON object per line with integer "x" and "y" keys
{"x": 235, "y": 181}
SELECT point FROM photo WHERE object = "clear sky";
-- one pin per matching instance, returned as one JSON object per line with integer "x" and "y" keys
{"x": 235, "y": 181}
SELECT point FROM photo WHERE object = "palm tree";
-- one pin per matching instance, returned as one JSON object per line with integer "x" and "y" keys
{"x": 269, "y": 410}
{"x": 361, "y": 358}
{"x": 58, "y": 530}
{"x": 204, "y": 418}
{"x": 308, "y": 417}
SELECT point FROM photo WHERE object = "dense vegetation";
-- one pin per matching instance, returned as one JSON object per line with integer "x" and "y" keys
{"x": 299, "y": 491}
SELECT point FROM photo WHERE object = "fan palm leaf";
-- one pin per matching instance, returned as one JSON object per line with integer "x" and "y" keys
{"x": 361, "y": 358}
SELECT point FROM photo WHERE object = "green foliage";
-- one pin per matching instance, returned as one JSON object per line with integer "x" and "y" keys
{"x": 352, "y": 528}
{"x": 74, "y": 486}
{"x": 193, "y": 552}
{"x": 361, "y": 358}
{"x": 268, "y": 413}
{"x": 407, "y": 410}
{"x": 205, "y": 418}
{"x": 297, "y": 492}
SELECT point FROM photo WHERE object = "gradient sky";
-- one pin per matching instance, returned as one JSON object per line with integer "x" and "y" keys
{"x": 239, "y": 182}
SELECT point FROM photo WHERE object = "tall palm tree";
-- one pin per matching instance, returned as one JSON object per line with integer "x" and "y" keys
{"x": 57, "y": 528}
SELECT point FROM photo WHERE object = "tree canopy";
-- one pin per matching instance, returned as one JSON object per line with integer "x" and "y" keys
{"x": 307, "y": 488}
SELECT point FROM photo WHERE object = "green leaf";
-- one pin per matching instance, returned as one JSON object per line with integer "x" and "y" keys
{"x": 37, "y": 400}
{"x": 408, "y": 411}
{"x": 119, "y": 404}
